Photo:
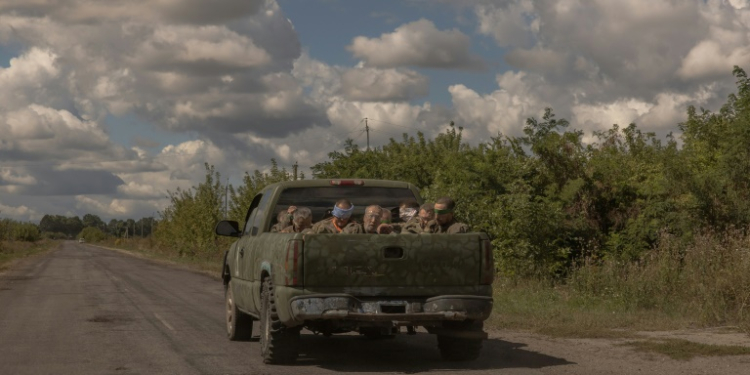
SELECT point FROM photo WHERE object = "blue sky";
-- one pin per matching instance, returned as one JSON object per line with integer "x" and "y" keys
{"x": 109, "y": 106}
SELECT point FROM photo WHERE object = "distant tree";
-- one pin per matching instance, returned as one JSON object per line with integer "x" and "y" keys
{"x": 94, "y": 221}
{"x": 57, "y": 223}
{"x": 187, "y": 224}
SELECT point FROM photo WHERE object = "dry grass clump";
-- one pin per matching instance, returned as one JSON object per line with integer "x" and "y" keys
{"x": 14, "y": 250}
{"x": 704, "y": 283}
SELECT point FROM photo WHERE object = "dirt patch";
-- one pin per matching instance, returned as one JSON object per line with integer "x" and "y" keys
{"x": 15, "y": 278}
{"x": 720, "y": 350}
{"x": 107, "y": 319}
{"x": 724, "y": 336}
{"x": 684, "y": 350}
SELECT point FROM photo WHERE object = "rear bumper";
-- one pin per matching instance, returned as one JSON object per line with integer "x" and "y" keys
{"x": 347, "y": 307}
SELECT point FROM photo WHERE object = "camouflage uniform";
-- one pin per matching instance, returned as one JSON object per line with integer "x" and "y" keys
{"x": 452, "y": 228}
{"x": 278, "y": 227}
{"x": 292, "y": 229}
{"x": 326, "y": 226}
{"x": 411, "y": 226}
{"x": 414, "y": 226}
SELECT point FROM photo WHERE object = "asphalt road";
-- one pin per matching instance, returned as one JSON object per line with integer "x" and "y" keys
{"x": 87, "y": 310}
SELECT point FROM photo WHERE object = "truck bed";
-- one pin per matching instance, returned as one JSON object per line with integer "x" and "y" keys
{"x": 367, "y": 261}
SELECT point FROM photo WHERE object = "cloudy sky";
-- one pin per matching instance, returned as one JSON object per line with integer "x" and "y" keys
{"x": 105, "y": 105}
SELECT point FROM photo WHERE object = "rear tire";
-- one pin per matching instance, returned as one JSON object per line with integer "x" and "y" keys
{"x": 239, "y": 324}
{"x": 459, "y": 348}
{"x": 278, "y": 343}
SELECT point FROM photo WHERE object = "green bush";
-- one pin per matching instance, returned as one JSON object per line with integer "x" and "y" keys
{"x": 19, "y": 231}
{"x": 92, "y": 234}
{"x": 26, "y": 232}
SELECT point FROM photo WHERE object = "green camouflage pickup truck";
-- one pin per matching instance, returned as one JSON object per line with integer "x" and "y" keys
{"x": 372, "y": 284}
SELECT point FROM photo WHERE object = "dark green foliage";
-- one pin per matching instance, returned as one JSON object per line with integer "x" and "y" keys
{"x": 240, "y": 198}
{"x": 70, "y": 226}
{"x": 187, "y": 225}
{"x": 18, "y": 231}
{"x": 92, "y": 234}
{"x": 717, "y": 158}
{"x": 549, "y": 200}
{"x": 94, "y": 221}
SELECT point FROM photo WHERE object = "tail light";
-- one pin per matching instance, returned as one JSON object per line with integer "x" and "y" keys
{"x": 347, "y": 182}
{"x": 293, "y": 263}
{"x": 487, "y": 274}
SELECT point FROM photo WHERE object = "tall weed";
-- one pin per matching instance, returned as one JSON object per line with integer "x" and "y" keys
{"x": 707, "y": 280}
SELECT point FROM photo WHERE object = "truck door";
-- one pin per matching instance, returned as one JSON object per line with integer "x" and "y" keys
{"x": 241, "y": 274}
{"x": 243, "y": 258}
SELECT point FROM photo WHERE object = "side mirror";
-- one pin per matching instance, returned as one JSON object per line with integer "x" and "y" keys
{"x": 228, "y": 228}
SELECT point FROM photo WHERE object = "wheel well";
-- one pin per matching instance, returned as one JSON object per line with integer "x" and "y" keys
{"x": 226, "y": 274}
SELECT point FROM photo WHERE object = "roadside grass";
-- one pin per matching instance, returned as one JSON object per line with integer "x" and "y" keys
{"x": 702, "y": 284}
{"x": 11, "y": 251}
{"x": 684, "y": 350}
{"x": 559, "y": 311}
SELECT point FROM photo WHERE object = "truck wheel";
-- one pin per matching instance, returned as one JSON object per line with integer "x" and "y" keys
{"x": 239, "y": 324}
{"x": 278, "y": 343}
{"x": 456, "y": 348}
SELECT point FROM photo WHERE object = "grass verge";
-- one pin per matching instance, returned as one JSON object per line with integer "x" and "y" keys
{"x": 705, "y": 283}
{"x": 559, "y": 311}
{"x": 685, "y": 350}
{"x": 12, "y": 251}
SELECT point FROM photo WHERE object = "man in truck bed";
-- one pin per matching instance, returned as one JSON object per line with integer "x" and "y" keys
{"x": 340, "y": 221}
{"x": 444, "y": 217}
{"x": 301, "y": 221}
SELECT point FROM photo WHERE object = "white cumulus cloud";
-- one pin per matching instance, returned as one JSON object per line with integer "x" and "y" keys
{"x": 368, "y": 84}
{"x": 418, "y": 43}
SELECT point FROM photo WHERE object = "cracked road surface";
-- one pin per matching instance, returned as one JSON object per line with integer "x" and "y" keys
{"x": 86, "y": 310}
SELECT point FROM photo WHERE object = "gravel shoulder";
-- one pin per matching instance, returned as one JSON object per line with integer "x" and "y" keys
{"x": 615, "y": 356}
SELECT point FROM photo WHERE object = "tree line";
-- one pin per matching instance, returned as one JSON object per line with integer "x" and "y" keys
{"x": 68, "y": 227}
{"x": 548, "y": 200}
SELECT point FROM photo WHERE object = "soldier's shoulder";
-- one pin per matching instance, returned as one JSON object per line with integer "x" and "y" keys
{"x": 287, "y": 230}
{"x": 321, "y": 226}
{"x": 458, "y": 228}
{"x": 323, "y": 222}
{"x": 353, "y": 227}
